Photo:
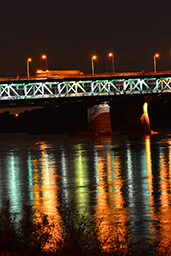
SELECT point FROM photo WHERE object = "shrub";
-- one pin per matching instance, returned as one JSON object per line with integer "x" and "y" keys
{"x": 32, "y": 233}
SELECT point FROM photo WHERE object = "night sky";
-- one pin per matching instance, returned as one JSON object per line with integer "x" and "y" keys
{"x": 69, "y": 32}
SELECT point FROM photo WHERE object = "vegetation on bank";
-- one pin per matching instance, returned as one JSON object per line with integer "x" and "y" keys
{"x": 79, "y": 236}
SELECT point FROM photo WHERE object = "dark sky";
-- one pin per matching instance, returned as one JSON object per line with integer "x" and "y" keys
{"x": 69, "y": 32}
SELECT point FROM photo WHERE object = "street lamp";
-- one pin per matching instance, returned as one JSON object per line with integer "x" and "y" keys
{"x": 94, "y": 57}
{"x": 155, "y": 56}
{"x": 28, "y": 67}
{"x": 111, "y": 55}
{"x": 44, "y": 57}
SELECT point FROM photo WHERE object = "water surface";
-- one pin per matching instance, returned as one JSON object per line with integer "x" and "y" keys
{"x": 118, "y": 179}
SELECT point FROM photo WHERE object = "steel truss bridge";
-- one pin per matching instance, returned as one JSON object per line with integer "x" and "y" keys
{"x": 84, "y": 87}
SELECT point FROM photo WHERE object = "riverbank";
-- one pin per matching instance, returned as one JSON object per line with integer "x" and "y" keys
{"x": 79, "y": 236}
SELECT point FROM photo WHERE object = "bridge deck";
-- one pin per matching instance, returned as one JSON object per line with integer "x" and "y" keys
{"x": 123, "y": 75}
{"x": 85, "y": 86}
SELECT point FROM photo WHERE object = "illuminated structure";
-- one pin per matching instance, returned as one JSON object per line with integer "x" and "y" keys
{"x": 96, "y": 90}
{"x": 99, "y": 118}
{"x": 145, "y": 119}
{"x": 85, "y": 86}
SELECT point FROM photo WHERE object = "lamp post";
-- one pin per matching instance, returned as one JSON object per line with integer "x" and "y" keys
{"x": 28, "y": 67}
{"x": 44, "y": 57}
{"x": 94, "y": 57}
{"x": 111, "y": 55}
{"x": 155, "y": 57}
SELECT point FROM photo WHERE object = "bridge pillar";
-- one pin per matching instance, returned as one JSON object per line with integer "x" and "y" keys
{"x": 138, "y": 119}
{"x": 145, "y": 119}
{"x": 99, "y": 119}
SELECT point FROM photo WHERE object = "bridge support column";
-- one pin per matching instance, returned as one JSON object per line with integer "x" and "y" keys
{"x": 138, "y": 119}
{"x": 99, "y": 119}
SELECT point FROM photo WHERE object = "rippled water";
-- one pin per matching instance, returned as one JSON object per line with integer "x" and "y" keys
{"x": 125, "y": 179}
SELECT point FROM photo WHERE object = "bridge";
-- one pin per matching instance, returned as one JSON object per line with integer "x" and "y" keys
{"x": 104, "y": 87}
{"x": 85, "y": 86}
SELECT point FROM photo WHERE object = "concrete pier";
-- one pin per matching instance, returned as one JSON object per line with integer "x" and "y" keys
{"x": 145, "y": 119}
{"x": 138, "y": 119}
{"x": 99, "y": 119}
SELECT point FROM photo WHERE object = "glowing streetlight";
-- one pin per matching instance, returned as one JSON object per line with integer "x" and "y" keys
{"x": 44, "y": 57}
{"x": 111, "y": 55}
{"x": 94, "y": 57}
{"x": 28, "y": 67}
{"x": 155, "y": 57}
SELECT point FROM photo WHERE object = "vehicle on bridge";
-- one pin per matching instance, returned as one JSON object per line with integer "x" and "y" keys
{"x": 58, "y": 73}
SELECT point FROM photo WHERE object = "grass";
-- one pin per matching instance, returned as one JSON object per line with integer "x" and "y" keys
{"x": 76, "y": 234}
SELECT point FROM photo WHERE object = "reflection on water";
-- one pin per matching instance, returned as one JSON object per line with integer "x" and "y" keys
{"x": 164, "y": 212}
{"x": 124, "y": 182}
{"x": 45, "y": 188}
{"x": 81, "y": 177}
{"x": 109, "y": 199}
{"x": 14, "y": 184}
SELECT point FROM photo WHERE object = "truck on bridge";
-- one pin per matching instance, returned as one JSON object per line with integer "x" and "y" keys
{"x": 58, "y": 73}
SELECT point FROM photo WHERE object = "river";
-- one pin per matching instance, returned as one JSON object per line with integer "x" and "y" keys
{"x": 121, "y": 178}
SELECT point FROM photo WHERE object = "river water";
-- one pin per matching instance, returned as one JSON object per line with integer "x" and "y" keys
{"x": 119, "y": 178}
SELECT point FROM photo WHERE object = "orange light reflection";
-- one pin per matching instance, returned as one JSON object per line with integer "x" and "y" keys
{"x": 45, "y": 197}
{"x": 111, "y": 216}
{"x": 150, "y": 181}
{"x": 164, "y": 215}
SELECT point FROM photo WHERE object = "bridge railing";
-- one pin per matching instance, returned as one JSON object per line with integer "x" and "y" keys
{"x": 79, "y": 88}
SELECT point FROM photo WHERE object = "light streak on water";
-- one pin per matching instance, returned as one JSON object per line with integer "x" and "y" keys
{"x": 109, "y": 209}
{"x": 125, "y": 180}
{"x": 81, "y": 179}
{"x": 14, "y": 192}
{"x": 64, "y": 176}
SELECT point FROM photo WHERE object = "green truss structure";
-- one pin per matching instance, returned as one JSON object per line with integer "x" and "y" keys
{"x": 54, "y": 88}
